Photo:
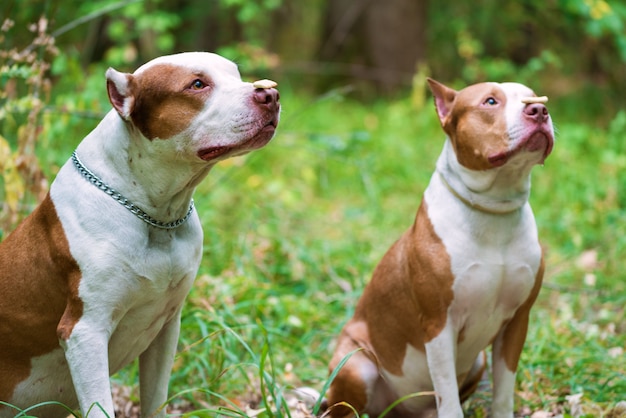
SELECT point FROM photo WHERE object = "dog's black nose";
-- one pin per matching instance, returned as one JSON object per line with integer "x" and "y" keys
{"x": 267, "y": 97}
{"x": 536, "y": 111}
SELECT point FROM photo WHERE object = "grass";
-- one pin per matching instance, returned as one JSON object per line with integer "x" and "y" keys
{"x": 293, "y": 232}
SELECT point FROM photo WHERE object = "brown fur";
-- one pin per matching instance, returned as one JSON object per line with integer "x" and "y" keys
{"x": 39, "y": 290}
{"x": 469, "y": 121}
{"x": 165, "y": 104}
{"x": 413, "y": 280}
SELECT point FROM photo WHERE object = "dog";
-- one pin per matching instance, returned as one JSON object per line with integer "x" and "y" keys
{"x": 463, "y": 277}
{"x": 97, "y": 275}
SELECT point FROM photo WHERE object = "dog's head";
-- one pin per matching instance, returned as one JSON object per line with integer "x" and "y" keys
{"x": 490, "y": 123}
{"x": 198, "y": 101}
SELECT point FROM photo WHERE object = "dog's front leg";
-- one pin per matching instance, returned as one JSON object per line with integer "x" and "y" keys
{"x": 155, "y": 366}
{"x": 441, "y": 358}
{"x": 507, "y": 349}
{"x": 86, "y": 352}
{"x": 505, "y": 356}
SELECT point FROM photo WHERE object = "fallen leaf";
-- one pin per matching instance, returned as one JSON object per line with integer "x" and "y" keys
{"x": 542, "y": 414}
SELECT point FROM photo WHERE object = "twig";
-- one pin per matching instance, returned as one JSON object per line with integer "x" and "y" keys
{"x": 77, "y": 22}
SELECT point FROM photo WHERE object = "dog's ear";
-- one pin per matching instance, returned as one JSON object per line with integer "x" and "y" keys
{"x": 120, "y": 92}
{"x": 444, "y": 97}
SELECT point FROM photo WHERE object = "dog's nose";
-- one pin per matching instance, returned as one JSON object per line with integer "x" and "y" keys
{"x": 267, "y": 97}
{"x": 536, "y": 111}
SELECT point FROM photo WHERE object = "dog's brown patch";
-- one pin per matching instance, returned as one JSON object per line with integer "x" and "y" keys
{"x": 349, "y": 386}
{"x": 165, "y": 102}
{"x": 359, "y": 377}
{"x": 413, "y": 281}
{"x": 469, "y": 114}
{"x": 516, "y": 330}
{"x": 39, "y": 282}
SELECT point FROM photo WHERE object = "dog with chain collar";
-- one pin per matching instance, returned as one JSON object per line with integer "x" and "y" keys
{"x": 96, "y": 276}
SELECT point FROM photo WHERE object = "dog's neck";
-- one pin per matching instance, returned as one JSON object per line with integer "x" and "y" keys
{"x": 146, "y": 172}
{"x": 499, "y": 190}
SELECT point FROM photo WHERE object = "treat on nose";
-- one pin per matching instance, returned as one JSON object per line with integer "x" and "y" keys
{"x": 264, "y": 84}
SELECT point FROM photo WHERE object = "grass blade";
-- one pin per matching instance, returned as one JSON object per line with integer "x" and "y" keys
{"x": 404, "y": 398}
{"x": 330, "y": 379}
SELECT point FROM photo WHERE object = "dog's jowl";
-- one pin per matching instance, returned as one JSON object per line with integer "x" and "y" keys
{"x": 96, "y": 276}
{"x": 464, "y": 276}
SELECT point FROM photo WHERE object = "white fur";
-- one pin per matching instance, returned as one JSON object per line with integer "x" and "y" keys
{"x": 120, "y": 80}
{"x": 414, "y": 368}
{"x": 494, "y": 260}
{"x": 503, "y": 384}
{"x": 135, "y": 277}
{"x": 441, "y": 354}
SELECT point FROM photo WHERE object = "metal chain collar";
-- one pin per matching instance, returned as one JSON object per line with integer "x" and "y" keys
{"x": 118, "y": 197}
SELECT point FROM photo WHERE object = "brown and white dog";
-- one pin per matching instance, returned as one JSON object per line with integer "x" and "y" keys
{"x": 463, "y": 277}
{"x": 96, "y": 276}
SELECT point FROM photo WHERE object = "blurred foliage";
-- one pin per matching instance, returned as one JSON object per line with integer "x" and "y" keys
{"x": 53, "y": 54}
{"x": 25, "y": 89}
{"x": 563, "y": 48}
{"x": 485, "y": 39}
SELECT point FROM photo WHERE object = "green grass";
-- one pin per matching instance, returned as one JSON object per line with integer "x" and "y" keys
{"x": 293, "y": 232}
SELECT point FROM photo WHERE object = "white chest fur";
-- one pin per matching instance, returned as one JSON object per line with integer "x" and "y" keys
{"x": 135, "y": 275}
{"x": 494, "y": 260}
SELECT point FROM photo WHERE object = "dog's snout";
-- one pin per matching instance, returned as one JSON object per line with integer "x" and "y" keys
{"x": 268, "y": 97}
{"x": 536, "y": 111}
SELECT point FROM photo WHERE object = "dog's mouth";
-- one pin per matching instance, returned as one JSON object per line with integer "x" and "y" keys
{"x": 539, "y": 140}
{"x": 212, "y": 153}
{"x": 258, "y": 140}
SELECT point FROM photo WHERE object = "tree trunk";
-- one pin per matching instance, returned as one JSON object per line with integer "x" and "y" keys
{"x": 379, "y": 41}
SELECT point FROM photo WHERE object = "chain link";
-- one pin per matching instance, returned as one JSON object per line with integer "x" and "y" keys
{"x": 118, "y": 197}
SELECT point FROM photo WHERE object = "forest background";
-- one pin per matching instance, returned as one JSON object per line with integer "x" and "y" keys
{"x": 293, "y": 232}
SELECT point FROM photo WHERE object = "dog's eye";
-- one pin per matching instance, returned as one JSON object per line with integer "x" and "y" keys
{"x": 198, "y": 85}
{"x": 490, "y": 101}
